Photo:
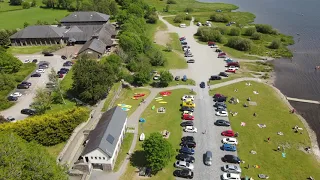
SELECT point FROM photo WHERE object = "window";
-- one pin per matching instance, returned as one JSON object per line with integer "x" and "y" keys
{"x": 95, "y": 157}
{"x": 103, "y": 158}
{"x": 99, "y": 157}
{"x": 91, "y": 157}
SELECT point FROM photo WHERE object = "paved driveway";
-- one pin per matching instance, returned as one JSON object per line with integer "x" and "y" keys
{"x": 37, "y": 82}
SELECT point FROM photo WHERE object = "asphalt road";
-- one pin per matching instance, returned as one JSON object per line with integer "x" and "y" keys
{"x": 37, "y": 82}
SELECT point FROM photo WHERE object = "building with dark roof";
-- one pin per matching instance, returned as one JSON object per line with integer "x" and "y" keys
{"x": 104, "y": 142}
{"x": 85, "y": 18}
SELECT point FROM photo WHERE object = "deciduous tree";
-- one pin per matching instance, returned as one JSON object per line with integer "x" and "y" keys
{"x": 42, "y": 101}
{"x": 165, "y": 78}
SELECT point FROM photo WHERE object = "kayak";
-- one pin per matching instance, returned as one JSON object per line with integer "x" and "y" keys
{"x": 163, "y": 102}
{"x": 165, "y": 93}
{"x": 142, "y": 137}
{"x": 124, "y": 106}
{"x": 139, "y": 95}
{"x": 159, "y": 99}
{"x": 134, "y": 98}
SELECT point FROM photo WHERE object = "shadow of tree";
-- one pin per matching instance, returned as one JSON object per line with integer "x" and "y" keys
{"x": 137, "y": 159}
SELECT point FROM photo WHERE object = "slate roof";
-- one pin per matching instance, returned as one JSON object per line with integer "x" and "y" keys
{"x": 83, "y": 16}
{"x": 82, "y": 33}
{"x": 39, "y": 31}
{"x": 95, "y": 45}
{"x": 107, "y": 132}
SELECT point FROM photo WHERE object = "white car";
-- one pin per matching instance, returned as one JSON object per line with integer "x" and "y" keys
{"x": 231, "y": 176}
{"x": 27, "y": 61}
{"x": 230, "y": 168}
{"x": 190, "y": 129}
{"x": 40, "y": 71}
{"x": 187, "y": 97}
{"x": 222, "y": 113}
{"x": 232, "y": 141}
{"x": 16, "y": 94}
{"x": 183, "y": 165}
{"x": 233, "y": 67}
{"x": 187, "y": 112}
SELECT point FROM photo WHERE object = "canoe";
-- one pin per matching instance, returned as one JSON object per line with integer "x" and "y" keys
{"x": 139, "y": 95}
{"x": 134, "y": 98}
{"x": 121, "y": 105}
{"x": 142, "y": 137}
{"x": 162, "y": 102}
{"x": 165, "y": 93}
{"x": 159, "y": 99}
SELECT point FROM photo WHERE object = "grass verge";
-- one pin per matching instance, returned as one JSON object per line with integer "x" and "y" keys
{"x": 231, "y": 77}
{"x": 126, "y": 144}
{"x": 188, "y": 82}
{"x": 174, "y": 60}
{"x": 175, "y": 42}
{"x": 26, "y": 49}
{"x": 56, "y": 149}
{"x": 111, "y": 94}
{"x": 171, "y": 21}
{"x": 157, "y": 122}
{"x": 272, "y": 112}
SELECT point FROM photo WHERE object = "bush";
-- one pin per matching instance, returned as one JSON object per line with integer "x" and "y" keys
{"x": 223, "y": 30}
{"x": 235, "y": 31}
{"x": 188, "y": 17}
{"x": 265, "y": 29}
{"x": 26, "y": 5}
{"x": 48, "y": 129}
{"x": 250, "y": 31}
{"x": 220, "y": 17}
{"x": 209, "y": 34}
{"x": 171, "y": 2}
{"x": 256, "y": 36}
{"x": 239, "y": 43}
{"x": 152, "y": 19}
{"x": 188, "y": 10}
{"x": 179, "y": 18}
{"x": 275, "y": 44}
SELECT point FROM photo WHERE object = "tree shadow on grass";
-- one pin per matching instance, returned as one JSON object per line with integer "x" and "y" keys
{"x": 137, "y": 159}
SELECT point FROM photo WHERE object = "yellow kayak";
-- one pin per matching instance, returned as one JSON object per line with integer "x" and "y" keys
{"x": 162, "y": 102}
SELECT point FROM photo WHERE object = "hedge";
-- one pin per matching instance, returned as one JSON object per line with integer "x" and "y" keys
{"x": 48, "y": 129}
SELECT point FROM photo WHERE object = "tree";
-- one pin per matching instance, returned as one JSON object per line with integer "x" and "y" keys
{"x": 26, "y": 5}
{"x": 4, "y": 38}
{"x": 179, "y": 18}
{"x": 218, "y": 17}
{"x": 15, "y": 2}
{"x": 8, "y": 63}
{"x": 234, "y": 31}
{"x": 113, "y": 7}
{"x": 158, "y": 152}
{"x": 256, "y": 36}
{"x": 42, "y": 101}
{"x": 33, "y": 3}
{"x": 275, "y": 44}
{"x": 165, "y": 78}
{"x": 57, "y": 96}
{"x": 239, "y": 43}
{"x": 250, "y": 31}
{"x": 264, "y": 28}
{"x": 22, "y": 160}
{"x": 156, "y": 57}
{"x": 25, "y": 24}
{"x": 168, "y": 47}
{"x": 131, "y": 42}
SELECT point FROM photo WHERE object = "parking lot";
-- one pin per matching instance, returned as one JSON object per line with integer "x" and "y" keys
{"x": 37, "y": 82}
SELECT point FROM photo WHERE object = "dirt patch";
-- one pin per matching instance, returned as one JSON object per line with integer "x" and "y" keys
{"x": 162, "y": 37}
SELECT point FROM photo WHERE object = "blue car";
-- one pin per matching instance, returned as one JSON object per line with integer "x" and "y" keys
{"x": 184, "y": 78}
{"x": 186, "y": 150}
{"x": 229, "y": 147}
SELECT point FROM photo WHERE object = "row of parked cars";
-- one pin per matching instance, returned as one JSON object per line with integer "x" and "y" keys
{"x": 186, "y": 49}
{"x": 229, "y": 143}
{"x": 185, "y": 159}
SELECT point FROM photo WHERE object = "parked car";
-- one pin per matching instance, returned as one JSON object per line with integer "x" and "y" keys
{"x": 231, "y": 159}
{"x": 12, "y": 98}
{"x": 188, "y": 104}
{"x": 185, "y": 108}
{"x": 10, "y": 118}
{"x": 188, "y": 54}
{"x": 64, "y": 57}
{"x": 231, "y": 176}
{"x": 230, "y": 168}
{"x": 229, "y": 147}
{"x": 183, "y": 165}
{"x": 218, "y": 50}
{"x": 50, "y": 85}
{"x": 231, "y": 70}
{"x": 220, "y": 108}
{"x": 62, "y": 72}
{"x": 217, "y": 95}
{"x": 187, "y": 138}
{"x": 208, "y": 158}
{"x": 68, "y": 63}
{"x": 186, "y": 150}
{"x": 60, "y": 75}
{"x": 221, "y": 99}
{"x": 236, "y": 64}
{"x": 40, "y": 71}
{"x": 222, "y": 55}
{"x": 177, "y": 78}
{"x": 22, "y": 86}
{"x": 184, "y": 78}
{"x": 187, "y": 97}
{"x": 222, "y": 113}
{"x": 228, "y": 133}
{"x": 185, "y": 173}
{"x": 191, "y": 61}
{"x": 185, "y": 157}
{"x": 187, "y": 112}
{"x": 26, "y": 83}
{"x": 36, "y": 75}
{"x": 190, "y": 129}
{"x": 187, "y": 117}
{"x": 184, "y": 43}
{"x": 230, "y": 140}
{"x": 189, "y": 144}
{"x": 64, "y": 69}
{"x": 35, "y": 61}
{"x": 47, "y": 54}
{"x": 29, "y": 112}
{"x": 221, "y": 122}
{"x": 222, "y": 104}
{"x": 223, "y": 74}
{"x": 43, "y": 66}
{"x": 202, "y": 84}
{"x": 187, "y": 123}
{"x": 27, "y": 61}
{"x": 215, "y": 78}
{"x": 16, "y": 94}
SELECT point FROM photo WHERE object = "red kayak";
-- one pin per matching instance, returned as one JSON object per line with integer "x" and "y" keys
{"x": 166, "y": 93}
{"x": 139, "y": 95}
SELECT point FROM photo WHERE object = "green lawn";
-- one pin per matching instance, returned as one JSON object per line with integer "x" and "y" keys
{"x": 59, "y": 107}
{"x": 126, "y": 144}
{"x": 126, "y": 97}
{"x": 170, "y": 20}
{"x": 56, "y": 149}
{"x": 175, "y": 42}
{"x": 272, "y": 112}
{"x": 188, "y": 82}
{"x": 111, "y": 94}
{"x": 66, "y": 83}
{"x": 174, "y": 60}
{"x": 157, "y": 122}
{"x": 26, "y": 49}
{"x": 231, "y": 77}
{"x": 258, "y": 66}
{"x": 5, "y": 6}
{"x": 16, "y": 19}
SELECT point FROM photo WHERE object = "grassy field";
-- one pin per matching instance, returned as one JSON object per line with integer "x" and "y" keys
{"x": 175, "y": 60}
{"x": 157, "y": 122}
{"x": 258, "y": 66}
{"x": 56, "y": 149}
{"x": 111, "y": 94}
{"x": 272, "y": 112}
{"x": 126, "y": 144}
{"x": 175, "y": 42}
{"x": 125, "y": 97}
{"x": 26, "y": 49}
{"x": 170, "y": 20}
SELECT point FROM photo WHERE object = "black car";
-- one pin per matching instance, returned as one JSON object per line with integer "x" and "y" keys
{"x": 68, "y": 63}
{"x": 177, "y": 78}
{"x": 63, "y": 57}
{"x": 188, "y": 144}
{"x": 202, "y": 85}
{"x": 186, "y": 150}
{"x": 29, "y": 112}
{"x": 220, "y": 99}
{"x": 26, "y": 83}
{"x": 62, "y": 72}
{"x": 12, "y": 98}
{"x": 218, "y": 50}
{"x": 191, "y": 61}
{"x": 217, "y": 104}
{"x": 47, "y": 54}
{"x": 231, "y": 159}
{"x": 224, "y": 74}
{"x": 215, "y": 78}
{"x": 186, "y": 123}
{"x": 22, "y": 86}
{"x": 185, "y": 173}
{"x": 64, "y": 69}
{"x": 35, "y": 60}
{"x": 221, "y": 122}
{"x": 184, "y": 108}
{"x": 36, "y": 75}
{"x": 185, "y": 157}
{"x": 187, "y": 138}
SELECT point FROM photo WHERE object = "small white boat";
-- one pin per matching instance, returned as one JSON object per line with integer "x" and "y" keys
{"x": 142, "y": 137}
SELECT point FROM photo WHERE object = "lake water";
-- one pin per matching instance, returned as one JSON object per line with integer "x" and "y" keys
{"x": 297, "y": 77}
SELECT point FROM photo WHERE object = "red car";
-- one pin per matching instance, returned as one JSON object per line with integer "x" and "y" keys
{"x": 60, "y": 75}
{"x": 217, "y": 95}
{"x": 211, "y": 43}
{"x": 228, "y": 133}
{"x": 231, "y": 70}
{"x": 222, "y": 55}
{"x": 187, "y": 117}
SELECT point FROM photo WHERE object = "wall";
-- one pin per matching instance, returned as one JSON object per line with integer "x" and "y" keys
{"x": 37, "y": 41}
{"x": 97, "y": 156}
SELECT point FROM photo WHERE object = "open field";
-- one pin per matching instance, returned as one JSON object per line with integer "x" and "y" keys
{"x": 157, "y": 122}
{"x": 126, "y": 144}
{"x": 271, "y": 111}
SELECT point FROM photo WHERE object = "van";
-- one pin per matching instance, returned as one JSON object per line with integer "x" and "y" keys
{"x": 183, "y": 25}
{"x": 208, "y": 158}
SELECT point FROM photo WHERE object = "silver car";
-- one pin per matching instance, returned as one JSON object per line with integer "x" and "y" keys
{"x": 230, "y": 168}
{"x": 183, "y": 165}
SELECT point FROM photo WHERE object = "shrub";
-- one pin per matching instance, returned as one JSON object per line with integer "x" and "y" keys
{"x": 249, "y": 31}
{"x": 223, "y": 30}
{"x": 152, "y": 19}
{"x": 171, "y": 2}
{"x": 235, "y": 31}
{"x": 188, "y": 17}
{"x": 188, "y": 9}
{"x": 26, "y": 5}
{"x": 179, "y": 18}
{"x": 220, "y": 17}
{"x": 166, "y": 9}
{"x": 239, "y": 43}
{"x": 275, "y": 44}
{"x": 256, "y": 36}
{"x": 264, "y": 28}
{"x": 209, "y": 34}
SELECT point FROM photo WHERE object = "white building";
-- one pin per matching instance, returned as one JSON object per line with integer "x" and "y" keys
{"x": 104, "y": 142}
